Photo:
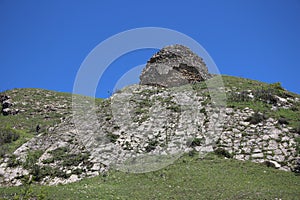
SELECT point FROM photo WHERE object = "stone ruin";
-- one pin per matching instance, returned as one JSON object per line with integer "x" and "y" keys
{"x": 173, "y": 66}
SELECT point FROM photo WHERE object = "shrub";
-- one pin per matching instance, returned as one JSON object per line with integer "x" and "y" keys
{"x": 151, "y": 145}
{"x": 8, "y": 135}
{"x": 196, "y": 142}
{"x": 276, "y": 86}
{"x": 32, "y": 158}
{"x": 13, "y": 162}
{"x": 256, "y": 118}
{"x": 297, "y": 129}
{"x": 59, "y": 153}
{"x": 239, "y": 97}
{"x": 3, "y": 150}
{"x": 192, "y": 153}
{"x": 174, "y": 108}
{"x": 266, "y": 95}
{"x": 112, "y": 137}
{"x": 283, "y": 120}
{"x": 222, "y": 152}
{"x": 48, "y": 160}
{"x": 74, "y": 159}
{"x": 38, "y": 172}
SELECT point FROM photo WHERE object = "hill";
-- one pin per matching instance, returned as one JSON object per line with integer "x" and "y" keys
{"x": 41, "y": 142}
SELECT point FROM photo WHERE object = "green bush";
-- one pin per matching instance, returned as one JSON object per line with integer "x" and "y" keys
{"x": 174, "y": 108}
{"x": 3, "y": 150}
{"x": 8, "y": 135}
{"x": 112, "y": 137}
{"x": 239, "y": 97}
{"x": 276, "y": 86}
{"x": 283, "y": 120}
{"x": 40, "y": 172}
{"x": 265, "y": 95}
{"x": 13, "y": 162}
{"x": 151, "y": 145}
{"x": 196, "y": 142}
{"x": 297, "y": 129}
{"x": 256, "y": 118}
{"x": 32, "y": 158}
{"x": 48, "y": 160}
{"x": 222, "y": 152}
{"x": 74, "y": 159}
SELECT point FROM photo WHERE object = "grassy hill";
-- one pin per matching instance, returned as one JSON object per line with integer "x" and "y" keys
{"x": 37, "y": 107}
{"x": 212, "y": 177}
{"x": 188, "y": 178}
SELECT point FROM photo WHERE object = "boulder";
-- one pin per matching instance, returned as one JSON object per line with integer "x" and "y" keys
{"x": 271, "y": 163}
{"x": 7, "y": 103}
{"x": 173, "y": 66}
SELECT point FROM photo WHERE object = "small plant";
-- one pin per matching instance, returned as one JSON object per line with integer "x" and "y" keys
{"x": 151, "y": 145}
{"x": 239, "y": 97}
{"x": 112, "y": 137}
{"x": 256, "y": 118}
{"x": 8, "y": 135}
{"x": 48, "y": 160}
{"x": 196, "y": 142}
{"x": 276, "y": 86}
{"x": 127, "y": 146}
{"x": 74, "y": 159}
{"x": 192, "y": 153}
{"x": 32, "y": 158}
{"x": 223, "y": 152}
{"x": 265, "y": 95}
{"x": 174, "y": 108}
{"x": 202, "y": 110}
{"x": 297, "y": 129}
{"x": 282, "y": 121}
{"x": 13, "y": 162}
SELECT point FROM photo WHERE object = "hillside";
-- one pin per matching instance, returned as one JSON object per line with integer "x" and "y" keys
{"x": 260, "y": 123}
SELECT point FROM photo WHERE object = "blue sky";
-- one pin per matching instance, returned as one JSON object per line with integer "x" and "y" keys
{"x": 43, "y": 43}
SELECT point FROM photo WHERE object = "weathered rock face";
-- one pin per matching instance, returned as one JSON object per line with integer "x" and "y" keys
{"x": 173, "y": 66}
{"x": 6, "y": 104}
{"x": 153, "y": 121}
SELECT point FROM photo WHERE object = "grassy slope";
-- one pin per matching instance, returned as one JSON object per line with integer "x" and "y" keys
{"x": 37, "y": 105}
{"x": 188, "y": 178}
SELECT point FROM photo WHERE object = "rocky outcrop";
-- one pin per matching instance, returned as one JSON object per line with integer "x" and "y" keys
{"x": 6, "y": 104}
{"x": 152, "y": 120}
{"x": 172, "y": 66}
{"x": 146, "y": 127}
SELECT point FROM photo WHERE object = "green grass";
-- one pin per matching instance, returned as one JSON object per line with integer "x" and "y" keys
{"x": 189, "y": 178}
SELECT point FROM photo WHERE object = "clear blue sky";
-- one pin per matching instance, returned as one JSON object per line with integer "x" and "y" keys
{"x": 43, "y": 43}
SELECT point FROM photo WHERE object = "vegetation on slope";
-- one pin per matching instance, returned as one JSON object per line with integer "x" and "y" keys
{"x": 37, "y": 107}
{"x": 188, "y": 178}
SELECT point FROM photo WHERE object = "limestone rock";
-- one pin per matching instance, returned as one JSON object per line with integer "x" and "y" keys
{"x": 172, "y": 66}
{"x": 271, "y": 163}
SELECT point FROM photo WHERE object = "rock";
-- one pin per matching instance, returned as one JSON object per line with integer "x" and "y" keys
{"x": 172, "y": 66}
{"x": 7, "y": 103}
{"x": 73, "y": 178}
{"x": 271, "y": 163}
{"x": 257, "y": 155}
{"x": 272, "y": 145}
{"x": 239, "y": 157}
{"x": 6, "y": 111}
{"x": 9, "y": 111}
{"x": 243, "y": 123}
{"x": 4, "y": 98}
{"x": 279, "y": 158}
{"x": 265, "y": 137}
